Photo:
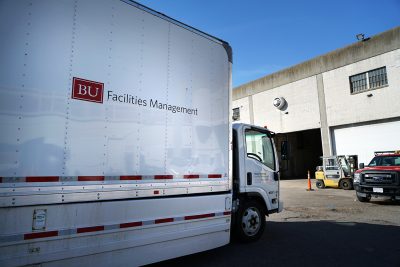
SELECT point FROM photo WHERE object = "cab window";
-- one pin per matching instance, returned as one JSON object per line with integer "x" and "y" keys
{"x": 385, "y": 161}
{"x": 331, "y": 164}
{"x": 259, "y": 146}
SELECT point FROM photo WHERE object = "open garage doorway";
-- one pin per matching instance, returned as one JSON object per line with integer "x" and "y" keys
{"x": 299, "y": 152}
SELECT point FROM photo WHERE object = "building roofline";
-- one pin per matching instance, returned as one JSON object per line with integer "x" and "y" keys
{"x": 379, "y": 44}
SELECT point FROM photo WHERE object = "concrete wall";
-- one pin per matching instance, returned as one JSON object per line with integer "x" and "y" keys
{"x": 243, "y": 105}
{"x": 302, "y": 110}
{"x": 318, "y": 91}
{"x": 344, "y": 108}
{"x": 377, "y": 45}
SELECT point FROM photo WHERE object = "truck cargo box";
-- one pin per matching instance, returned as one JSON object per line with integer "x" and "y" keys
{"x": 115, "y": 134}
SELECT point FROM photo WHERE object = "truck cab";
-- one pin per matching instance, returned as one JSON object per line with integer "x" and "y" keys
{"x": 380, "y": 178}
{"x": 255, "y": 180}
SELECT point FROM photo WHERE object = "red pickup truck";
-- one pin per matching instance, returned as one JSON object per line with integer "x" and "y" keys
{"x": 381, "y": 178}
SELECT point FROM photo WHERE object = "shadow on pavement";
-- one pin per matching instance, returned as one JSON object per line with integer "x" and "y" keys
{"x": 315, "y": 243}
{"x": 387, "y": 202}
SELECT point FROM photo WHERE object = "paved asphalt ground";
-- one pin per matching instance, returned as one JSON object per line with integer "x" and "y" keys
{"x": 324, "y": 227}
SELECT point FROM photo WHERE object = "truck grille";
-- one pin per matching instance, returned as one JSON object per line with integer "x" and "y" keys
{"x": 379, "y": 178}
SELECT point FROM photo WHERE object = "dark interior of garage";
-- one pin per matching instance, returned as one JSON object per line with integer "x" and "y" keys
{"x": 299, "y": 152}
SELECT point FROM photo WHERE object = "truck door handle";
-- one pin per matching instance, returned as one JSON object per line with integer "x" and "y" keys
{"x": 249, "y": 178}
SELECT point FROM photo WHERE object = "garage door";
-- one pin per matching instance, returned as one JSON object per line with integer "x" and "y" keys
{"x": 366, "y": 139}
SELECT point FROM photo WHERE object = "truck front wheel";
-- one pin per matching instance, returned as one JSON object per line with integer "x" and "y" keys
{"x": 363, "y": 199}
{"x": 250, "y": 222}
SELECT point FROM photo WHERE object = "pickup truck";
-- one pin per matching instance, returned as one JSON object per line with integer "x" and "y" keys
{"x": 380, "y": 178}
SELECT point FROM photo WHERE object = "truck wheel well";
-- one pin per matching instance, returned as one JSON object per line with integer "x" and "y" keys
{"x": 255, "y": 197}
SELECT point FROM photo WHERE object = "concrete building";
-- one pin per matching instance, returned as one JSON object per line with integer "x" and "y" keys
{"x": 346, "y": 102}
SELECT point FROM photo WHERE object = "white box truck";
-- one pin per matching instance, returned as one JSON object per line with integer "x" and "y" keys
{"x": 116, "y": 143}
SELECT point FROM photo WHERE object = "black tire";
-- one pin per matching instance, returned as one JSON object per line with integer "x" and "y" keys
{"x": 250, "y": 221}
{"x": 363, "y": 199}
{"x": 346, "y": 184}
{"x": 320, "y": 184}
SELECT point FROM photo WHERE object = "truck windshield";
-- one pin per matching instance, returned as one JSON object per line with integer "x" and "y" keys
{"x": 385, "y": 161}
{"x": 259, "y": 146}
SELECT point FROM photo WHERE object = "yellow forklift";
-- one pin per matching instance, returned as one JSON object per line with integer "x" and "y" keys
{"x": 336, "y": 171}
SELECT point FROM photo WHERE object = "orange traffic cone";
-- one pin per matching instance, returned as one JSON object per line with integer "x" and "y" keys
{"x": 309, "y": 182}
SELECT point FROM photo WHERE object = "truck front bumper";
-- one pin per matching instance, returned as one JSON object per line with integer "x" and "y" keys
{"x": 378, "y": 191}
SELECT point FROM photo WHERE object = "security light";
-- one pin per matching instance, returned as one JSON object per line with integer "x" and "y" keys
{"x": 360, "y": 37}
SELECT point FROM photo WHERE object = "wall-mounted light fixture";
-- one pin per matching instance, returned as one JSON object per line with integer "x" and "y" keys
{"x": 361, "y": 37}
{"x": 279, "y": 103}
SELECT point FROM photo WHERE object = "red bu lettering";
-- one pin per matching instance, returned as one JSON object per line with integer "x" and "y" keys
{"x": 87, "y": 90}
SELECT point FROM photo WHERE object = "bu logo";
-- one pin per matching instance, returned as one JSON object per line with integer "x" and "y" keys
{"x": 87, "y": 90}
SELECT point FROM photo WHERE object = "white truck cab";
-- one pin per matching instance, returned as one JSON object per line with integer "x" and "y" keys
{"x": 255, "y": 179}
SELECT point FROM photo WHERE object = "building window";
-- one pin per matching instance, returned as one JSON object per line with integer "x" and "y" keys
{"x": 358, "y": 83}
{"x": 377, "y": 78}
{"x": 236, "y": 114}
{"x": 369, "y": 80}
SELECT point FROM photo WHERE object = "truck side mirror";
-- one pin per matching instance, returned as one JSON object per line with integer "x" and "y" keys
{"x": 361, "y": 166}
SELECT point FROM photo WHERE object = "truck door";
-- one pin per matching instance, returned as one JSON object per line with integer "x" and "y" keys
{"x": 261, "y": 166}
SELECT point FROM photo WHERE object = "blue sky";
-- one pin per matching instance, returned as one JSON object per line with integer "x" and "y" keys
{"x": 267, "y": 36}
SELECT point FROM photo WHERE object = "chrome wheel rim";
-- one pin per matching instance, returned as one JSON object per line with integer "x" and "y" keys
{"x": 251, "y": 221}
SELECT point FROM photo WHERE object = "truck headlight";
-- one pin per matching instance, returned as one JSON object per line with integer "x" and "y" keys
{"x": 356, "y": 178}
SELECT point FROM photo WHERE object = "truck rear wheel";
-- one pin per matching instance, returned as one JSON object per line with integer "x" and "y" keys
{"x": 320, "y": 184}
{"x": 250, "y": 222}
{"x": 363, "y": 199}
{"x": 346, "y": 184}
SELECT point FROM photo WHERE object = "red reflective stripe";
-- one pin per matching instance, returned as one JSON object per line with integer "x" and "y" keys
{"x": 29, "y": 236}
{"x": 200, "y": 216}
{"x": 166, "y": 220}
{"x": 156, "y": 192}
{"x": 40, "y": 235}
{"x": 90, "y": 229}
{"x": 132, "y": 177}
{"x": 214, "y": 176}
{"x": 191, "y": 176}
{"x": 90, "y": 178}
{"x": 39, "y": 179}
{"x": 130, "y": 224}
{"x": 163, "y": 177}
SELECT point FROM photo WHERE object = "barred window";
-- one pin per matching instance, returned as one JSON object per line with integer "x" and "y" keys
{"x": 377, "y": 78}
{"x": 358, "y": 83}
{"x": 369, "y": 80}
{"x": 236, "y": 114}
